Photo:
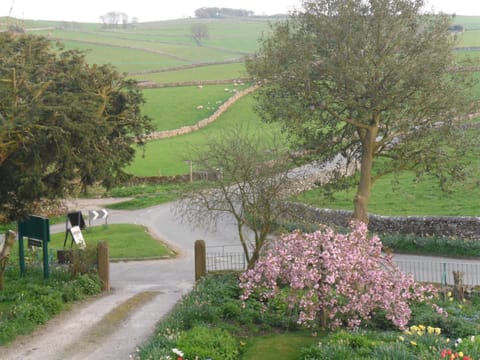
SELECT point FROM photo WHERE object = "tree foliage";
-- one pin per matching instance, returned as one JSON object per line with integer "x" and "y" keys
{"x": 371, "y": 80}
{"x": 199, "y": 32}
{"x": 335, "y": 279}
{"x": 61, "y": 120}
{"x": 254, "y": 177}
{"x": 112, "y": 19}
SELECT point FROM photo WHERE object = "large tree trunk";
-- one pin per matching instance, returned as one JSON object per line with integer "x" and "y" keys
{"x": 362, "y": 196}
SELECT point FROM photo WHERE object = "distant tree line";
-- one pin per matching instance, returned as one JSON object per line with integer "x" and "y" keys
{"x": 115, "y": 19}
{"x": 215, "y": 12}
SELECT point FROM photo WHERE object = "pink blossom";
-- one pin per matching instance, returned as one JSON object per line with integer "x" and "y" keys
{"x": 342, "y": 276}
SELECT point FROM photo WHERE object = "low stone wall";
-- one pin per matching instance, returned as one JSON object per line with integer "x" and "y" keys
{"x": 155, "y": 85}
{"x": 467, "y": 227}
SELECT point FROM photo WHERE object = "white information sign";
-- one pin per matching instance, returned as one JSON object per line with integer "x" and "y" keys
{"x": 78, "y": 237}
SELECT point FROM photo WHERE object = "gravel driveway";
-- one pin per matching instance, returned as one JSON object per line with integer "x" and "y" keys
{"x": 113, "y": 324}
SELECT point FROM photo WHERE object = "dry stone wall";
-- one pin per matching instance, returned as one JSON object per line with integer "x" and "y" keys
{"x": 202, "y": 123}
{"x": 467, "y": 227}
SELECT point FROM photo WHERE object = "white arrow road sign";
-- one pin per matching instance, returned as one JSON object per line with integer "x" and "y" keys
{"x": 97, "y": 214}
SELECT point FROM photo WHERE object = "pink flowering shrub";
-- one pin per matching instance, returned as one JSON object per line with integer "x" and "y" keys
{"x": 335, "y": 279}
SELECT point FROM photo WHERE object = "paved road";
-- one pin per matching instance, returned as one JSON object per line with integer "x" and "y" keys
{"x": 112, "y": 325}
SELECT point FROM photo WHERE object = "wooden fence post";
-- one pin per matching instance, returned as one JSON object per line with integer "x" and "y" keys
{"x": 458, "y": 287}
{"x": 5, "y": 253}
{"x": 104, "y": 264}
{"x": 200, "y": 259}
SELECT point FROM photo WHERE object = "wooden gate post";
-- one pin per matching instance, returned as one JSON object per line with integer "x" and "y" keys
{"x": 5, "y": 253}
{"x": 104, "y": 264}
{"x": 200, "y": 259}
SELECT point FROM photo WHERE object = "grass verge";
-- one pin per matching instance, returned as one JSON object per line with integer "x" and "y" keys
{"x": 125, "y": 241}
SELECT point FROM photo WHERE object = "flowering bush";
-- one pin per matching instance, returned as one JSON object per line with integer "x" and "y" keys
{"x": 337, "y": 279}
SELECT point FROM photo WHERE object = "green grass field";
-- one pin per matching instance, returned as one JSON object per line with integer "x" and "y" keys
{"x": 201, "y": 73}
{"x": 168, "y": 156}
{"x": 172, "y": 108}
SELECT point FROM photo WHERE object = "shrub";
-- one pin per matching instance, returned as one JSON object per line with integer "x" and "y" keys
{"x": 89, "y": 283}
{"x": 29, "y": 312}
{"x": 205, "y": 342}
{"x": 334, "y": 279}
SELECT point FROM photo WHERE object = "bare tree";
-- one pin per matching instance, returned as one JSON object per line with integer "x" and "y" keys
{"x": 199, "y": 32}
{"x": 254, "y": 172}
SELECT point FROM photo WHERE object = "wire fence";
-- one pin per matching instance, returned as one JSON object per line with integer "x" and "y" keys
{"x": 223, "y": 258}
{"x": 227, "y": 257}
{"x": 440, "y": 272}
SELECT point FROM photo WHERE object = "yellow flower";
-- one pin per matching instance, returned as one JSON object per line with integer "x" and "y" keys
{"x": 401, "y": 338}
{"x": 460, "y": 354}
{"x": 437, "y": 331}
{"x": 430, "y": 330}
{"x": 413, "y": 343}
{"x": 421, "y": 327}
{"x": 449, "y": 294}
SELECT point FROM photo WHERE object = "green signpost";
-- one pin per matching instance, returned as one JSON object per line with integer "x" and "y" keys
{"x": 38, "y": 228}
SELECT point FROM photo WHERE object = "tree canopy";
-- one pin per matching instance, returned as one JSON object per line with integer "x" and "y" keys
{"x": 61, "y": 121}
{"x": 375, "y": 79}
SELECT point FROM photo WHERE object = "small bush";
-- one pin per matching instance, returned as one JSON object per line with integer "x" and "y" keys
{"x": 29, "y": 312}
{"x": 52, "y": 304}
{"x": 90, "y": 284}
{"x": 83, "y": 261}
{"x": 205, "y": 342}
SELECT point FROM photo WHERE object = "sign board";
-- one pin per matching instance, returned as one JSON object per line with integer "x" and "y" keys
{"x": 35, "y": 227}
{"x": 78, "y": 237}
{"x": 38, "y": 228}
{"x": 34, "y": 242}
{"x": 97, "y": 214}
{"x": 74, "y": 218}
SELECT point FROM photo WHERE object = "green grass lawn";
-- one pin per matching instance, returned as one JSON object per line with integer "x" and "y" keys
{"x": 287, "y": 344}
{"x": 125, "y": 241}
